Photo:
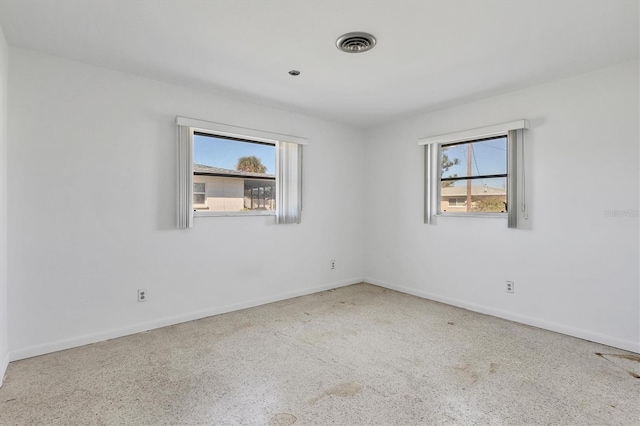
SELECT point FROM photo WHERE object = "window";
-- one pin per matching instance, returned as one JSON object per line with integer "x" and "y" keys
{"x": 239, "y": 174}
{"x": 457, "y": 202}
{"x": 259, "y": 195}
{"x": 199, "y": 195}
{"x": 226, "y": 170}
{"x": 473, "y": 176}
{"x": 476, "y": 173}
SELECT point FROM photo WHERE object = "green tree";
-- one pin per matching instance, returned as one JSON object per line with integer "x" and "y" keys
{"x": 250, "y": 163}
{"x": 446, "y": 164}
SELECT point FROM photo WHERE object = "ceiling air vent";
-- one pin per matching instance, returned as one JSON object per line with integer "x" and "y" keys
{"x": 356, "y": 42}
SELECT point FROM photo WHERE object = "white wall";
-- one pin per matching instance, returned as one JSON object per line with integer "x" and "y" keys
{"x": 575, "y": 269}
{"x": 103, "y": 225}
{"x": 77, "y": 261}
{"x": 4, "y": 349}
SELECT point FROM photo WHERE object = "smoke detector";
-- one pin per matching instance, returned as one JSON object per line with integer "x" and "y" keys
{"x": 356, "y": 42}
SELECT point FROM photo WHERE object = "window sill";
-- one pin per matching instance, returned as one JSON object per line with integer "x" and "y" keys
{"x": 207, "y": 213}
{"x": 452, "y": 214}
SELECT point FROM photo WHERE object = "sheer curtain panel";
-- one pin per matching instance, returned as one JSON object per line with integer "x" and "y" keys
{"x": 185, "y": 177}
{"x": 289, "y": 182}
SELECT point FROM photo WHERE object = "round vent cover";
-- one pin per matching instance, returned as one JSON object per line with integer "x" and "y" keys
{"x": 356, "y": 42}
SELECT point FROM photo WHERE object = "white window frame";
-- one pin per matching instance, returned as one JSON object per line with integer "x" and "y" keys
{"x": 515, "y": 175}
{"x": 288, "y": 181}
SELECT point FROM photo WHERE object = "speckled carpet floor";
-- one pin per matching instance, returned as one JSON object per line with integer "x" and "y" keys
{"x": 355, "y": 355}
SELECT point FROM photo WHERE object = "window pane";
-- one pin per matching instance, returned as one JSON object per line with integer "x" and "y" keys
{"x": 485, "y": 195}
{"x": 240, "y": 175}
{"x": 225, "y": 153}
{"x": 198, "y": 187}
{"x": 198, "y": 198}
{"x": 487, "y": 157}
{"x": 259, "y": 194}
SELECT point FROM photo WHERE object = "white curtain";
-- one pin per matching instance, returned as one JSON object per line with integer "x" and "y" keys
{"x": 431, "y": 191}
{"x": 513, "y": 144}
{"x": 289, "y": 182}
{"x": 185, "y": 177}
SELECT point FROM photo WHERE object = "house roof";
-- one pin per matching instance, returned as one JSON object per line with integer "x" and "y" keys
{"x": 201, "y": 169}
{"x": 476, "y": 190}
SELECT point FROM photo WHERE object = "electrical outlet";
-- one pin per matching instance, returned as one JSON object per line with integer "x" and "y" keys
{"x": 510, "y": 287}
{"x": 142, "y": 295}
{"x": 333, "y": 264}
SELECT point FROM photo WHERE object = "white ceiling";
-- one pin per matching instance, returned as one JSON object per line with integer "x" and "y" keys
{"x": 430, "y": 54}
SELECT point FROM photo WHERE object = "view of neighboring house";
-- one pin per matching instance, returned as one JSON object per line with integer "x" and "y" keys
{"x": 483, "y": 199}
{"x": 218, "y": 189}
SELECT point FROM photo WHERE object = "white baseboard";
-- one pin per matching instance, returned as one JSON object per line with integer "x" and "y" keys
{"x": 628, "y": 345}
{"x": 137, "y": 328}
{"x": 4, "y": 363}
{"x": 150, "y": 325}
